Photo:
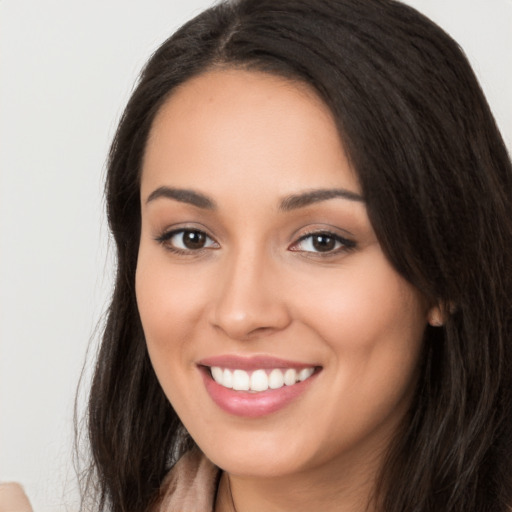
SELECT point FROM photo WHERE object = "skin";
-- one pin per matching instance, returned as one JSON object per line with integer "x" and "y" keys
{"x": 247, "y": 140}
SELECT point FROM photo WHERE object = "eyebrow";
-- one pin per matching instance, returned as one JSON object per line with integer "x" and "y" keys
{"x": 304, "y": 199}
{"x": 183, "y": 196}
{"x": 291, "y": 202}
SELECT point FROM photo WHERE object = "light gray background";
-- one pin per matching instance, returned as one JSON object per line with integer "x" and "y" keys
{"x": 66, "y": 70}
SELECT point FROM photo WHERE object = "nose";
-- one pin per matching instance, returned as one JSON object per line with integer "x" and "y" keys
{"x": 251, "y": 301}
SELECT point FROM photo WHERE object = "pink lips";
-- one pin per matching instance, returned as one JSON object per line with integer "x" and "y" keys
{"x": 250, "y": 404}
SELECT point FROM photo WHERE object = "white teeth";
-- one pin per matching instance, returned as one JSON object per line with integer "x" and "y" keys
{"x": 276, "y": 379}
{"x": 305, "y": 373}
{"x": 290, "y": 377}
{"x": 241, "y": 380}
{"x": 217, "y": 373}
{"x": 227, "y": 379}
{"x": 259, "y": 380}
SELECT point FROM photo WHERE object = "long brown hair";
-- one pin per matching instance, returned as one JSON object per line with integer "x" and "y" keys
{"x": 438, "y": 184}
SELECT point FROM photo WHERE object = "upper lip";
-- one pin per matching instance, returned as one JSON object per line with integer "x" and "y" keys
{"x": 256, "y": 362}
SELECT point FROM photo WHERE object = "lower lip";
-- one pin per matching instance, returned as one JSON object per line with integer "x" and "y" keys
{"x": 253, "y": 405}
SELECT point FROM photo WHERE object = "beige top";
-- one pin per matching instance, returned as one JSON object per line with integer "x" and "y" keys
{"x": 190, "y": 486}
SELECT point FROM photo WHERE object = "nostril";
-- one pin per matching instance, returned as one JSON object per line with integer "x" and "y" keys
{"x": 260, "y": 331}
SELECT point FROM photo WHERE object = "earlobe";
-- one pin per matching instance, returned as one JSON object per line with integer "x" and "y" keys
{"x": 439, "y": 313}
{"x": 436, "y": 316}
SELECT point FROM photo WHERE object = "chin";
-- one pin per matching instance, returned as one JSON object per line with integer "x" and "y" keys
{"x": 259, "y": 457}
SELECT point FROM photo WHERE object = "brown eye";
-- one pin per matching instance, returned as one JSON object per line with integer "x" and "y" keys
{"x": 193, "y": 239}
{"x": 187, "y": 240}
{"x": 323, "y": 243}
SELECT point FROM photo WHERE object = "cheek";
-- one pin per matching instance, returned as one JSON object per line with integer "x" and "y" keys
{"x": 363, "y": 307}
{"x": 373, "y": 323}
{"x": 169, "y": 305}
{"x": 169, "y": 300}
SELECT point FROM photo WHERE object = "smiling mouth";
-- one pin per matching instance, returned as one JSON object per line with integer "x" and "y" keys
{"x": 256, "y": 386}
{"x": 260, "y": 380}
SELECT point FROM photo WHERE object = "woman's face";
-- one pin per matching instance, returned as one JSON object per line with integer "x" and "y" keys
{"x": 258, "y": 264}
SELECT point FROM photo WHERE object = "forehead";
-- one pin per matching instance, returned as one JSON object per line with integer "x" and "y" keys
{"x": 229, "y": 126}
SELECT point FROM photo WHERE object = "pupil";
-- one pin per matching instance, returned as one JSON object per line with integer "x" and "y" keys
{"x": 194, "y": 240}
{"x": 323, "y": 243}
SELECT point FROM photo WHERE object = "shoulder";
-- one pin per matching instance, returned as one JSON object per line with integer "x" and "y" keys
{"x": 190, "y": 485}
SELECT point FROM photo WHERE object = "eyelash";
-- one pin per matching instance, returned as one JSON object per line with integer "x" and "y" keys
{"x": 165, "y": 240}
{"x": 345, "y": 244}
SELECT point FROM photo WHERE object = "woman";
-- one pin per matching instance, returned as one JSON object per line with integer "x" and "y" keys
{"x": 311, "y": 205}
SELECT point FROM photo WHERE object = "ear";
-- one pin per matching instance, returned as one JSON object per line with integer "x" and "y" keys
{"x": 436, "y": 316}
{"x": 439, "y": 313}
